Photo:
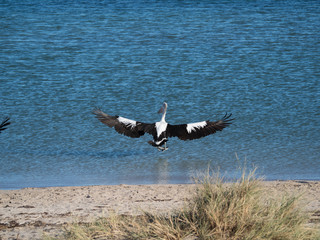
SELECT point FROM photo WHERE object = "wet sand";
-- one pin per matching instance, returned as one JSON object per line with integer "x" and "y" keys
{"x": 31, "y": 213}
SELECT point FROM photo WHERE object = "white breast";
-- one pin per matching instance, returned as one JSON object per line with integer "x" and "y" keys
{"x": 161, "y": 127}
{"x": 193, "y": 126}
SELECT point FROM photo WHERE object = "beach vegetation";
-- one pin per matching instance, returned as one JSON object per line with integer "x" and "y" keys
{"x": 240, "y": 209}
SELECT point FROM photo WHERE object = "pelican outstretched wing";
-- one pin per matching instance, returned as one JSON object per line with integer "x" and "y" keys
{"x": 4, "y": 123}
{"x": 199, "y": 129}
{"x": 125, "y": 126}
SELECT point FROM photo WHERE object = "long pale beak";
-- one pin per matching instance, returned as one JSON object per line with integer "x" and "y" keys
{"x": 161, "y": 110}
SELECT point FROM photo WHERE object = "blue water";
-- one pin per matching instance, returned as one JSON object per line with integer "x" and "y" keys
{"x": 259, "y": 60}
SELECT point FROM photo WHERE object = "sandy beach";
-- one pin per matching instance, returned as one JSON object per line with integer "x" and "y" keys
{"x": 31, "y": 213}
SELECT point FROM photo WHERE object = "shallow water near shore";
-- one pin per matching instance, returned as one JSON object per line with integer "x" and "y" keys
{"x": 258, "y": 60}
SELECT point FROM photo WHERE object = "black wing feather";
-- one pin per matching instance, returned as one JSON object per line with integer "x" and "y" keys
{"x": 4, "y": 123}
{"x": 127, "y": 129}
{"x": 181, "y": 132}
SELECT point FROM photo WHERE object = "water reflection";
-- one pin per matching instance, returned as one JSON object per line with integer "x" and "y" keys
{"x": 163, "y": 176}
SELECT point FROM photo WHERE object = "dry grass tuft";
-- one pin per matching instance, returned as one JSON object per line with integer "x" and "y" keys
{"x": 237, "y": 210}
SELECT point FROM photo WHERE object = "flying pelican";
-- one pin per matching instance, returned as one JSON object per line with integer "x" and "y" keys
{"x": 4, "y": 123}
{"x": 162, "y": 130}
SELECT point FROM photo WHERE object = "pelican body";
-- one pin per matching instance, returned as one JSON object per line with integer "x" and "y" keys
{"x": 161, "y": 130}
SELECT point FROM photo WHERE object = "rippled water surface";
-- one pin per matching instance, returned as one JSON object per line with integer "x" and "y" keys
{"x": 259, "y": 60}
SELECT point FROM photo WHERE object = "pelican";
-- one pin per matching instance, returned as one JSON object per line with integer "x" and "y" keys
{"x": 162, "y": 130}
{"x": 4, "y": 123}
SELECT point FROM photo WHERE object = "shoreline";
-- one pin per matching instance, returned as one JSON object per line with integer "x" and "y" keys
{"x": 146, "y": 184}
{"x": 29, "y": 213}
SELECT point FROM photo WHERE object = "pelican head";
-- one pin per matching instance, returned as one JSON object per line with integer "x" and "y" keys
{"x": 163, "y": 109}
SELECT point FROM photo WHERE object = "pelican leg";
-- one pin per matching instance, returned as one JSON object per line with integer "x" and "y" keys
{"x": 165, "y": 146}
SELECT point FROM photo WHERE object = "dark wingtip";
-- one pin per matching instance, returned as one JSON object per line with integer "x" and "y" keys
{"x": 226, "y": 118}
{"x": 6, "y": 121}
{"x": 96, "y": 110}
{"x": 4, "y": 124}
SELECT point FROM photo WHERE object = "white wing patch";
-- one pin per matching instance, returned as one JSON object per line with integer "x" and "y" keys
{"x": 161, "y": 127}
{"x": 193, "y": 126}
{"x": 127, "y": 121}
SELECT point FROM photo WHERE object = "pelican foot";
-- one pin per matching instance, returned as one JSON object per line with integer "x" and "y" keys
{"x": 162, "y": 148}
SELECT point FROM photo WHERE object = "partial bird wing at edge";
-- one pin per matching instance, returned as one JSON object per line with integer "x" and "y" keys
{"x": 199, "y": 129}
{"x": 4, "y": 123}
